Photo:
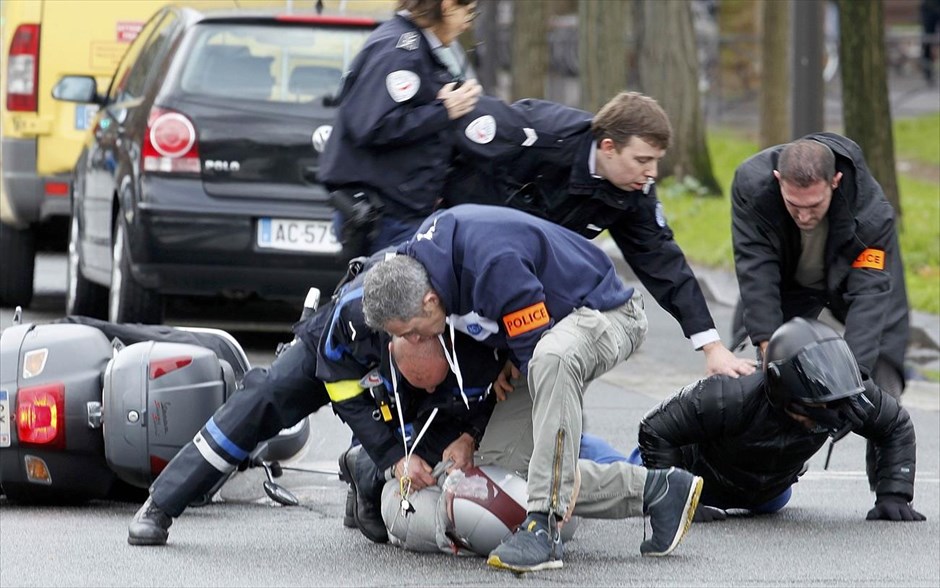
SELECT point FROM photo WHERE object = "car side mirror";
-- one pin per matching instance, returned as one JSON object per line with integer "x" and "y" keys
{"x": 82, "y": 89}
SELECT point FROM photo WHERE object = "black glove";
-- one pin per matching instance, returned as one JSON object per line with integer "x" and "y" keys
{"x": 708, "y": 514}
{"x": 893, "y": 507}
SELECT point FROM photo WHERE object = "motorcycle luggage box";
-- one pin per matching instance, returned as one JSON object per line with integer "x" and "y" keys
{"x": 61, "y": 455}
{"x": 156, "y": 397}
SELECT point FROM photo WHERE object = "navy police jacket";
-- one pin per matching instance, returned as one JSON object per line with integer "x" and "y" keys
{"x": 391, "y": 133}
{"x": 864, "y": 273}
{"x": 725, "y": 430}
{"x": 353, "y": 362}
{"x": 533, "y": 155}
{"x": 505, "y": 277}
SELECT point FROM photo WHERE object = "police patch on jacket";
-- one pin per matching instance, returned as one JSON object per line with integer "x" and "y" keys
{"x": 660, "y": 215}
{"x": 408, "y": 41}
{"x": 870, "y": 259}
{"x": 527, "y": 319}
{"x": 482, "y": 129}
{"x": 402, "y": 84}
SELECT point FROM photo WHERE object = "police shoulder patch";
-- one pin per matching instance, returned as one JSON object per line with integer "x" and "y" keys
{"x": 402, "y": 84}
{"x": 408, "y": 41}
{"x": 482, "y": 129}
{"x": 870, "y": 259}
{"x": 660, "y": 215}
{"x": 525, "y": 320}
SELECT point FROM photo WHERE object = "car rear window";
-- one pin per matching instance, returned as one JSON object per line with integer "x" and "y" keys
{"x": 269, "y": 62}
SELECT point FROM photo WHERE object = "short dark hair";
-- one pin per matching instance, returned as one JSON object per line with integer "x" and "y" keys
{"x": 630, "y": 114}
{"x": 806, "y": 162}
{"x": 427, "y": 10}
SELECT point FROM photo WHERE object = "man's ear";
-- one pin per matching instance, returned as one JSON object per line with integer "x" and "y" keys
{"x": 777, "y": 175}
{"x": 607, "y": 146}
{"x": 836, "y": 179}
{"x": 430, "y": 301}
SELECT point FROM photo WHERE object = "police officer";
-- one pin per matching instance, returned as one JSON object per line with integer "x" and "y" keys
{"x": 590, "y": 173}
{"x": 812, "y": 229}
{"x": 332, "y": 363}
{"x": 454, "y": 411}
{"x": 750, "y": 437}
{"x": 553, "y": 300}
{"x": 391, "y": 143}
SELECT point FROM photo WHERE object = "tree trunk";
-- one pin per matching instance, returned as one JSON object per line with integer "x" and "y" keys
{"x": 775, "y": 73}
{"x": 485, "y": 43}
{"x": 667, "y": 58}
{"x": 603, "y": 52}
{"x": 529, "y": 49}
{"x": 866, "y": 111}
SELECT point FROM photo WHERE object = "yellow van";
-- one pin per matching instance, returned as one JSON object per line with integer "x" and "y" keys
{"x": 41, "y": 41}
{"x": 41, "y": 137}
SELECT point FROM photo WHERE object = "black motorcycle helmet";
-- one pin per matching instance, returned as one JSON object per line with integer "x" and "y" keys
{"x": 808, "y": 363}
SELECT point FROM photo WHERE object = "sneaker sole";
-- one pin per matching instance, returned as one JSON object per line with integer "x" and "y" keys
{"x": 496, "y": 562}
{"x": 146, "y": 541}
{"x": 695, "y": 491}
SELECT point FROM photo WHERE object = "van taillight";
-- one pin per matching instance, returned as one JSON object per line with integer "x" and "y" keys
{"x": 40, "y": 415}
{"x": 170, "y": 144}
{"x": 23, "y": 69}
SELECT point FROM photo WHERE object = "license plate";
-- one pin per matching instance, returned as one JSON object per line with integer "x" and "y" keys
{"x": 4, "y": 419}
{"x": 84, "y": 115}
{"x": 297, "y": 235}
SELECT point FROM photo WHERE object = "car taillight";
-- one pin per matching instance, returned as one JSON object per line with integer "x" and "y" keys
{"x": 170, "y": 144}
{"x": 40, "y": 415}
{"x": 23, "y": 69}
{"x": 161, "y": 367}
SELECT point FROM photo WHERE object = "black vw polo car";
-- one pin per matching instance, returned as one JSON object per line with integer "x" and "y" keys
{"x": 199, "y": 176}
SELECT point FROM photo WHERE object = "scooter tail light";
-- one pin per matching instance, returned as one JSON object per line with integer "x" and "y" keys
{"x": 161, "y": 367}
{"x": 37, "y": 471}
{"x": 40, "y": 415}
{"x": 170, "y": 143}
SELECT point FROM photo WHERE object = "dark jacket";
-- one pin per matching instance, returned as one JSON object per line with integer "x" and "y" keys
{"x": 348, "y": 352}
{"x": 505, "y": 283}
{"x": 534, "y": 155}
{"x": 748, "y": 452}
{"x": 871, "y": 302}
{"x": 391, "y": 133}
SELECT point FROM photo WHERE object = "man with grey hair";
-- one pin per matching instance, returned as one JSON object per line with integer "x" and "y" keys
{"x": 553, "y": 300}
{"x": 812, "y": 229}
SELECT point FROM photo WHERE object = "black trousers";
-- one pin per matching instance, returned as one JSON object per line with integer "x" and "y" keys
{"x": 270, "y": 400}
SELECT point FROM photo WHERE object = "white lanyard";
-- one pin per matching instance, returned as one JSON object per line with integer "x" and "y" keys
{"x": 405, "y": 483}
{"x": 453, "y": 363}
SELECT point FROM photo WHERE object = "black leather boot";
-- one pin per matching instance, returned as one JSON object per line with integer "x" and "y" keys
{"x": 150, "y": 525}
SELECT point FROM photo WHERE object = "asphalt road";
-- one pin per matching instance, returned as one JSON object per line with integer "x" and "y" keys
{"x": 820, "y": 539}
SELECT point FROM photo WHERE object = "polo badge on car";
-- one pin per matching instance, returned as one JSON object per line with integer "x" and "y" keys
{"x": 321, "y": 136}
{"x": 219, "y": 165}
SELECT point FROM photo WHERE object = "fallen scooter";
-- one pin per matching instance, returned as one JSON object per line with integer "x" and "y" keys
{"x": 96, "y": 410}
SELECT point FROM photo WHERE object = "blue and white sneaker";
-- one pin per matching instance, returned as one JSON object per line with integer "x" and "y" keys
{"x": 533, "y": 547}
{"x": 669, "y": 499}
